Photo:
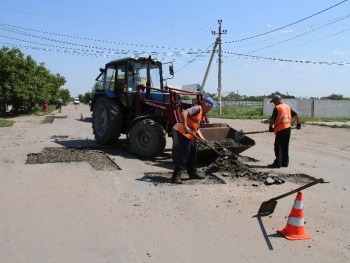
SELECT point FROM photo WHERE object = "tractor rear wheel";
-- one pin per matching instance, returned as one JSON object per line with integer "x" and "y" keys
{"x": 106, "y": 121}
{"x": 147, "y": 139}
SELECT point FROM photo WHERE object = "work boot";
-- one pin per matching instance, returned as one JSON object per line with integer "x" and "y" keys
{"x": 196, "y": 176}
{"x": 175, "y": 179}
{"x": 274, "y": 165}
{"x": 284, "y": 164}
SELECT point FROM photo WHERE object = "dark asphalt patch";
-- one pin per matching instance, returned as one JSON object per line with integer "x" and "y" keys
{"x": 51, "y": 118}
{"x": 97, "y": 159}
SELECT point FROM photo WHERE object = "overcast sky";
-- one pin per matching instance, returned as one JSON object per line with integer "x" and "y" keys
{"x": 297, "y": 47}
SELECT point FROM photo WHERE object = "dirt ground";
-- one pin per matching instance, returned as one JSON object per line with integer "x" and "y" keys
{"x": 67, "y": 199}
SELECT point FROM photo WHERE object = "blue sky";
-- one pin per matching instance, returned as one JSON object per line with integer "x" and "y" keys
{"x": 269, "y": 45}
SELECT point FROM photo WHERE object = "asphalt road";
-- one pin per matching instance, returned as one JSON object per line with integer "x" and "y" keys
{"x": 70, "y": 212}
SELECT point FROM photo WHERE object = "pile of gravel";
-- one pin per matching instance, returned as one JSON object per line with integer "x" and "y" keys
{"x": 230, "y": 166}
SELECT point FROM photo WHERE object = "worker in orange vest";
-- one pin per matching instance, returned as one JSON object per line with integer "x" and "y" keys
{"x": 280, "y": 124}
{"x": 191, "y": 119}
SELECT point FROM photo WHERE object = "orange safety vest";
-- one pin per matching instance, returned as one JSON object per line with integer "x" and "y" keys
{"x": 193, "y": 122}
{"x": 284, "y": 117}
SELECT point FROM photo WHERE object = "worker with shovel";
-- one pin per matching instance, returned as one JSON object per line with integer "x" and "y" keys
{"x": 188, "y": 133}
{"x": 280, "y": 124}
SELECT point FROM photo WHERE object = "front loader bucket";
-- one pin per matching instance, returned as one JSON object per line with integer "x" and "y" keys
{"x": 224, "y": 135}
{"x": 219, "y": 135}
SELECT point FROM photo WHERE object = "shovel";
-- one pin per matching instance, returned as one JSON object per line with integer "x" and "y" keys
{"x": 240, "y": 135}
{"x": 207, "y": 144}
{"x": 267, "y": 207}
{"x": 176, "y": 127}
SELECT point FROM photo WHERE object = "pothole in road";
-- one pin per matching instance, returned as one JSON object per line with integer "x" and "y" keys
{"x": 51, "y": 118}
{"x": 59, "y": 137}
{"x": 221, "y": 170}
{"x": 97, "y": 159}
{"x": 297, "y": 178}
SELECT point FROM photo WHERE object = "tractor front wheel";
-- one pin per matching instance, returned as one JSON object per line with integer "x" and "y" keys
{"x": 147, "y": 139}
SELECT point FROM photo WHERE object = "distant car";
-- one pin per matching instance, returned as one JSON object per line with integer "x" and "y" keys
{"x": 76, "y": 101}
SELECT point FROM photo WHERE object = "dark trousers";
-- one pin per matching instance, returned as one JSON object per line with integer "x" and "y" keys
{"x": 187, "y": 156}
{"x": 281, "y": 146}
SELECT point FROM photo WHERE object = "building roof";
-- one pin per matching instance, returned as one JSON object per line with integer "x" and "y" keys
{"x": 191, "y": 87}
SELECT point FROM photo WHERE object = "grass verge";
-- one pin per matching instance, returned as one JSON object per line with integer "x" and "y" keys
{"x": 255, "y": 112}
{"x": 6, "y": 123}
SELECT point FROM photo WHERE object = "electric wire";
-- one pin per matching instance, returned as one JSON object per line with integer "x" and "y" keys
{"x": 100, "y": 50}
{"x": 131, "y": 12}
{"x": 289, "y": 39}
{"x": 288, "y": 60}
{"x": 101, "y": 21}
{"x": 315, "y": 40}
{"x": 293, "y": 23}
{"x": 193, "y": 52}
{"x": 327, "y": 23}
{"x": 21, "y": 30}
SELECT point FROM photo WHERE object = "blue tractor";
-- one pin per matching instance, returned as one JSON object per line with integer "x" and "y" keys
{"x": 132, "y": 100}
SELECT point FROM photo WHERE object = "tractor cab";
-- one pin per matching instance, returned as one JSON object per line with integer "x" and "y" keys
{"x": 125, "y": 75}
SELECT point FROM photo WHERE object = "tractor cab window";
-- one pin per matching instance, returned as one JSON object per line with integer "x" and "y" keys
{"x": 138, "y": 75}
{"x": 120, "y": 79}
{"x": 114, "y": 78}
{"x": 155, "y": 77}
{"x": 109, "y": 79}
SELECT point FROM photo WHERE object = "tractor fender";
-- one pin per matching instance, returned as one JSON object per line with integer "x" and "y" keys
{"x": 98, "y": 94}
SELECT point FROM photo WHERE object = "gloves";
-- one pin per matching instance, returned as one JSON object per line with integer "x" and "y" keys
{"x": 271, "y": 129}
{"x": 298, "y": 126}
{"x": 187, "y": 130}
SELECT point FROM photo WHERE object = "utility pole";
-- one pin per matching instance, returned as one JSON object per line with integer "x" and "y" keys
{"x": 220, "y": 32}
{"x": 209, "y": 65}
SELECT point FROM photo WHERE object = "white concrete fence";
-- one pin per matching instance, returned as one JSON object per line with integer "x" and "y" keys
{"x": 313, "y": 108}
{"x": 304, "y": 107}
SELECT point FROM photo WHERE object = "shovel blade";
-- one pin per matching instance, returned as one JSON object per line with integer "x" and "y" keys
{"x": 267, "y": 207}
{"x": 239, "y": 136}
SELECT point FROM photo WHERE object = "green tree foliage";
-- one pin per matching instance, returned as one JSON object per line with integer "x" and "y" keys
{"x": 284, "y": 96}
{"x": 87, "y": 97}
{"x": 64, "y": 94}
{"x": 97, "y": 86}
{"x": 337, "y": 97}
{"x": 25, "y": 84}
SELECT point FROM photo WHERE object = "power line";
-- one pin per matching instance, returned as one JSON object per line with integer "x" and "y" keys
{"x": 289, "y": 60}
{"x": 191, "y": 61}
{"x": 109, "y": 52}
{"x": 8, "y": 27}
{"x": 299, "y": 35}
{"x": 132, "y": 12}
{"x": 102, "y": 50}
{"x": 315, "y": 40}
{"x": 321, "y": 25}
{"x": 101, "y": 21}
{"x": 298, "y": 21}
{"x": 105, "y": 52}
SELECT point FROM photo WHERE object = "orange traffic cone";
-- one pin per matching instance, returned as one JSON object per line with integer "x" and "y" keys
{"x": 295, "y": 225}
{"x": 81, "y": 117}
